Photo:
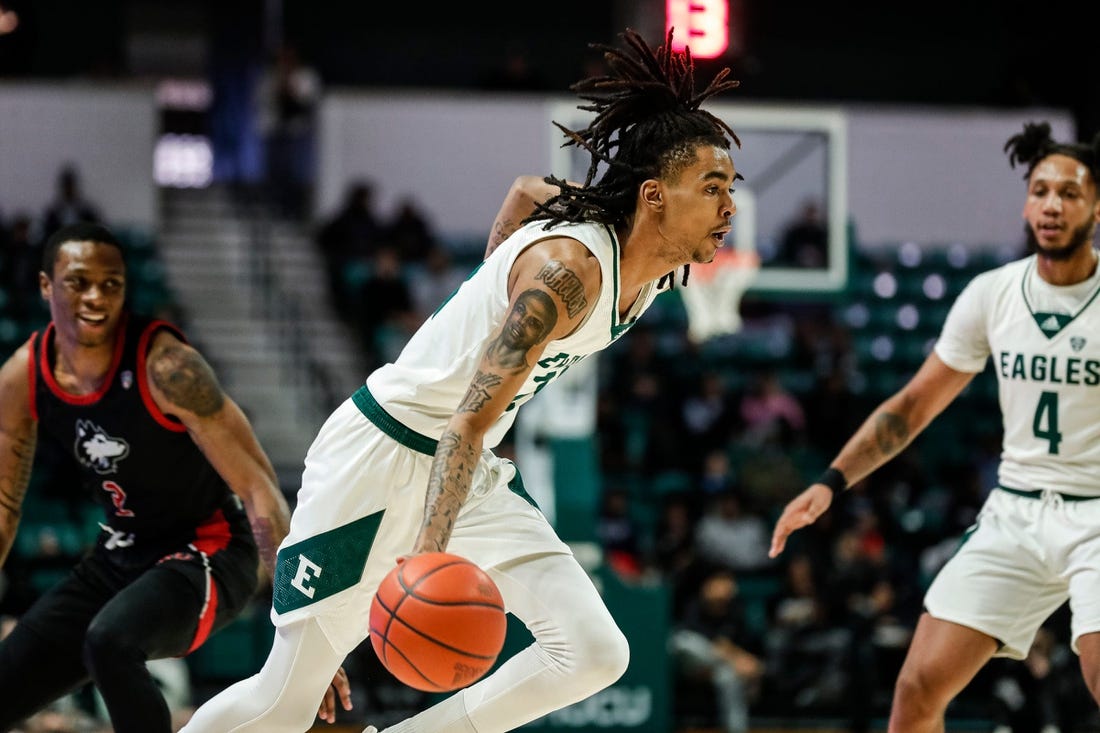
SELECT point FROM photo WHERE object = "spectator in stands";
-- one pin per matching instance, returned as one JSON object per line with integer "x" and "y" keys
{"x": 674, "y": 537}
{"x": 69, "y": 206}
{"x": 730, "y": 536}
{"x": 710, "y": 643}
{"x": 436, "y": 281}
{"x": 619, "y": 534}
{"x": 717, "y": 475}
{"x": 22, "y": 257}
{"x": 831, "y": 410}
{"x": 709, "y": 416}
{"x": 639, "y": 387}
{"x": 771, "y": 413}
{"x": 807, "y": 643}
{"x": 385, "y": 310}
{"x": 349, "y": 239}
{"x": 287, "y": 99}
{"x": 805, "y": 241}
{"x": 410, "y": 233}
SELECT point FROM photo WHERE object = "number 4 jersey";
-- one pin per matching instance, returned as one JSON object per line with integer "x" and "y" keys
{"x": 1044, "y": 344}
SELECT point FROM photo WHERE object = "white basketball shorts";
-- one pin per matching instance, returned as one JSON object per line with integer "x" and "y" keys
{"x": 1022, "y": 559}
{"x": 361, "y": 506}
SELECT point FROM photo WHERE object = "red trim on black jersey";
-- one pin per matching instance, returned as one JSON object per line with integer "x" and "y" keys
{"x": 213, "y": 534}
{"x": 32, "y": 377}
{"x": 165, "y": 421}
{"x": 84, "y": 399}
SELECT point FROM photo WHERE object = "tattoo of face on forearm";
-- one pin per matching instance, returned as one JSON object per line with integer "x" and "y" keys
{"x": 891, "y": 433}
{"x": 479, "y": 392}
{"x": 530, "y": 321}
{"x": 564, "y": 283}
{"x": 503, "y": 229}
{"x": 188, "y": 381}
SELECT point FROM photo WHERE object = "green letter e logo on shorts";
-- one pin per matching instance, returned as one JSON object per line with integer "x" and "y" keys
{"x": 323, "y": 565}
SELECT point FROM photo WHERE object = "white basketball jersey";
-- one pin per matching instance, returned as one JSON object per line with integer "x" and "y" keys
{"x": 424, "y": 386}
{"x": 1044, "y": 341}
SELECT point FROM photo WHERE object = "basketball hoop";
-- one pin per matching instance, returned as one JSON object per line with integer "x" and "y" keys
{"x": 712, "y": 297}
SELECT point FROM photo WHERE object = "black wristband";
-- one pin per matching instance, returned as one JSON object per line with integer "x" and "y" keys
{"x": 834, "y": 479}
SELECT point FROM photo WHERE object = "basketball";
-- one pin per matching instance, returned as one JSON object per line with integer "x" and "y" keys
{"x": 437, "y": 622}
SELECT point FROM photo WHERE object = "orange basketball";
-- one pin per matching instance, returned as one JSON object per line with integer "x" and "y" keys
{"x": 437, "y": 622}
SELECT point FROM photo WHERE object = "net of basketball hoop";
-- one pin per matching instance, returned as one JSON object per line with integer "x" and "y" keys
{"x": 712, "y": 297}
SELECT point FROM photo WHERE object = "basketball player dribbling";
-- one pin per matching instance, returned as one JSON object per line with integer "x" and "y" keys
{"x": 1036, "y": 542}
{"x": 405, "y": 466}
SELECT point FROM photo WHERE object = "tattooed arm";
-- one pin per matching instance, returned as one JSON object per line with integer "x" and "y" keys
{"x": 519, "y": 203}
{"x": 183, "y": 385}
{"x": 889, "y": 429}
{"x": 550, "y": 289}
{"x": 18, "y": 436}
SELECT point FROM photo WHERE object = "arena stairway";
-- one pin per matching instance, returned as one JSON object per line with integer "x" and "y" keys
{"x": 253, "y": 294}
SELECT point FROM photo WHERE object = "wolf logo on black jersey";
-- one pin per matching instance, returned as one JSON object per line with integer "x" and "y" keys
{"x": 97, "y": 450}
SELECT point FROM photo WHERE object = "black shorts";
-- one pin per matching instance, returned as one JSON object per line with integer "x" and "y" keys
{"x": 162, "y": 607}
{"x": 222, "y": 582}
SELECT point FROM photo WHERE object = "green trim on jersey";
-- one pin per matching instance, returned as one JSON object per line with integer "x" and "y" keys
{"x": 455, "y": 291}
{"x": 413, "y": 440}
{"x": 516, "y": 487}
{"x": 1051, "y": 324}
{"x": 616, "y": 285}
{"x": 323, "y": 565}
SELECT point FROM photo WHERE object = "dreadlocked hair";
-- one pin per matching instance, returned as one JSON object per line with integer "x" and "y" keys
{"x": 647, "y": 124}
{"x": 1035, "y": 143}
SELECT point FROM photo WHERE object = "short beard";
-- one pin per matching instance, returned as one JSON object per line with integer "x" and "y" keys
{"x": 1082, "y": 236}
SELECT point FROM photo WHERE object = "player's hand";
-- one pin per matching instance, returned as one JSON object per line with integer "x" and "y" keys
{"x": 802, "y": 510}
{"x": 338, "y": 687}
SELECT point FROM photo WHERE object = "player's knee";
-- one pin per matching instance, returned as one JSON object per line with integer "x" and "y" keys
{"x": 1091, "y": 674}
{"x": 915, "y": 694}
{"x": 603, "y": 656}
{"x": 106, "y": 647}
{"x": 249, "y": 706}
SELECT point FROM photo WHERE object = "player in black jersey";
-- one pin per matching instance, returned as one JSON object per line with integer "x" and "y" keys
{"x": 190, "y": 500}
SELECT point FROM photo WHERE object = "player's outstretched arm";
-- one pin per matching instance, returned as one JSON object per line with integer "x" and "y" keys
{"x": 183, "y": 385}
{"x": 551, "y": 287}
{"x": 883, "y": 435}
{"x": 18, "y": 440}
{"x": 519, "y": 203}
